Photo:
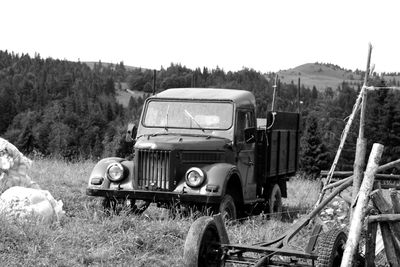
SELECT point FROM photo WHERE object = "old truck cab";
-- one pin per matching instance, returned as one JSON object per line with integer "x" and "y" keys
{"x": 203, "y": 148}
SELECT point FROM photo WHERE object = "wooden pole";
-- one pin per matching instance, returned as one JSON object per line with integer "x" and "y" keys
{"x": 360, "y": 209}
{"x": 361, "y": 148}
{"x": 381, "y": 168}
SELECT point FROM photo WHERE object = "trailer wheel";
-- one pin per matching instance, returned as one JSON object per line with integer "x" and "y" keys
{"x": 227, "y": 208}
{"x": 203, "y": 244}
{"x": 274, "y": 202}
{"x": 331, "y": 247}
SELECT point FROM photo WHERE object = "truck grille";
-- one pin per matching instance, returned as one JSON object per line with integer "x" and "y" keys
{"x": 154, "y": 170}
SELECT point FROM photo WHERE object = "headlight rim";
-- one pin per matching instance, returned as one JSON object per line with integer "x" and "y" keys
{"x": 122, "y": 174}
{"x": 199, "y": 171}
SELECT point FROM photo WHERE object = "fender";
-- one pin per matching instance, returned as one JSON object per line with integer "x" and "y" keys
{"x": 100, "y": 169}
{"x": 217, "y": 175}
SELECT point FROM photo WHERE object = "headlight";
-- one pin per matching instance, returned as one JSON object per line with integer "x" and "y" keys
{"x": 194, "y": 177}
{"x": 115, "y": 172}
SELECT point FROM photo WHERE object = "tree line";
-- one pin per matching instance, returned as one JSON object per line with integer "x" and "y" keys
{"x": 66, "y": 109}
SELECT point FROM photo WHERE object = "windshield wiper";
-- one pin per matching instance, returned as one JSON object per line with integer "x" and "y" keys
{"x": 191, "y": 117}
{"x": 166, "y": 118}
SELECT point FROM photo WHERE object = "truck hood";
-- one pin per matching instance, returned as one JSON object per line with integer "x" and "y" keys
{"x": 182, "y": 142}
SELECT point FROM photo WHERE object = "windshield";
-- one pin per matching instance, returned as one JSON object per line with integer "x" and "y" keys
{"x": 189, "y": 115}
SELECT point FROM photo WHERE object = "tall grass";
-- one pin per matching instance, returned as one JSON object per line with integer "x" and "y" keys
{"x": 88, "y": 237}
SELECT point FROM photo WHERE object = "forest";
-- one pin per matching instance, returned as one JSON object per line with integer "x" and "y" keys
{"x": 68, "y": 110}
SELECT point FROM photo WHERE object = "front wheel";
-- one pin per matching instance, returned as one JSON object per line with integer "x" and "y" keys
{"x": 227, "y": 208}
{"x": 203, "y": 244}
{"x": 115, "y": 206}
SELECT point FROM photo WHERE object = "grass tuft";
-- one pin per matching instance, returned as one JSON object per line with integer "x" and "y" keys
{"x": 87, "y": 236}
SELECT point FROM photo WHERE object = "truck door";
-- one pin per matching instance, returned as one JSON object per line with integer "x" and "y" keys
{"x": 245, "y": 152}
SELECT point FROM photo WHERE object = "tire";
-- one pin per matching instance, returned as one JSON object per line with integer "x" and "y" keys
{"x": 115, "y": 206}
{"x": 274, "y": 203}
{"x": 227, "y": 208}
{"x": 203, "y": 244}
{"x": 138, "y": 207}
{"x": 331, "y": 247}
{"x": 110, "y": 205}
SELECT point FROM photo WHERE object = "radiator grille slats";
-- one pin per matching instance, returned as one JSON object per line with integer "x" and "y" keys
{"x": 154, "y": 169}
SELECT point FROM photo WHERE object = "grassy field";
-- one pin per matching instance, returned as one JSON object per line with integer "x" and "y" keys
{"x": 88, "y": 237}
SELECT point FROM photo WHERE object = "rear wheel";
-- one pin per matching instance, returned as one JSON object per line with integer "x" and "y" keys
{"x": 227, "y": 208}
{"x": 274, "y": 202}
{"x": 203, "y": 244}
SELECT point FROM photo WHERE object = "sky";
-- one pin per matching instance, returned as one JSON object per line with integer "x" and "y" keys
{"x": 264, "y": 35}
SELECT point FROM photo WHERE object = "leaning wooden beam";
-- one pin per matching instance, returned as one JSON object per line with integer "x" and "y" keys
{"x": 360, "y": 209}
{"x": 341, "y": 145}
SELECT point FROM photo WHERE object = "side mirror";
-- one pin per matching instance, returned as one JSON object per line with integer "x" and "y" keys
{"x": 131, "y": 133}
{"x": 250, "y": 135}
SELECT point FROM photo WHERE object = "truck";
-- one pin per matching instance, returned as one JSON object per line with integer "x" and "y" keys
{"x": 203, "y": 148}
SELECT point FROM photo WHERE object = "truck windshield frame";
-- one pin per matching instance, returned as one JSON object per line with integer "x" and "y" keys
{"x": 188, "y": 114}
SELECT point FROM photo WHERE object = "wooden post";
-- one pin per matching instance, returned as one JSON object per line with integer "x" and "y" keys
{"x": 360, "y": 209}
{"x": 370, "y": 244}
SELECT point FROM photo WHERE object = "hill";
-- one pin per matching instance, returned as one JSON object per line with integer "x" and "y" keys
{"x": 321, "y": 76}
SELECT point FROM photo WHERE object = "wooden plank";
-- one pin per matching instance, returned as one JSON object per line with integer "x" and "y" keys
{"x": 395, "y": 200}
{"x": 360, "y": 209}
{"x": 370, "y": 244}
{"x": 380, "y": 202}
{"x": 392, "y": 248}
{"x": 395, "y": 227}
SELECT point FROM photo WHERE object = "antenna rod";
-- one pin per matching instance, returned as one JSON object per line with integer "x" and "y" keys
{"x": 154, "y": 81}
{"x": 273, "y": 96}
{"x": 298, "y": 96}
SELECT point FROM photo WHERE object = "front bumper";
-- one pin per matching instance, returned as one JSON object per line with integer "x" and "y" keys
{"x": 154, "y": 196}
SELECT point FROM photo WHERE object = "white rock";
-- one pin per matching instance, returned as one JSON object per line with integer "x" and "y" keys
{"x": 21, "y": 202}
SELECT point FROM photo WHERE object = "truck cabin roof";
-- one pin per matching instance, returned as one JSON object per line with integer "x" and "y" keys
{"x": 239, "y": 97}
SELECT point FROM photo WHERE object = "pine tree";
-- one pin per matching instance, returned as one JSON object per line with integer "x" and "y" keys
{"x": 314, "y": 155}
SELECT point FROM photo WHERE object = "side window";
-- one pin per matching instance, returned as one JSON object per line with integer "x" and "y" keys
{"x": 244, "y": 119}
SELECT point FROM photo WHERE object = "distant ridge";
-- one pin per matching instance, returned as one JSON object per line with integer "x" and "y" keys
{"x": 321, "y": 76}
{"x": 106, "y": 64}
